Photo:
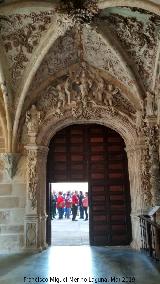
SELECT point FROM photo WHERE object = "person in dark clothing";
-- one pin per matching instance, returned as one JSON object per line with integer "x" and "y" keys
{"x": 75, "y": 202}
{"x": 53, "y": 205}
{"x": 81, "y": 209}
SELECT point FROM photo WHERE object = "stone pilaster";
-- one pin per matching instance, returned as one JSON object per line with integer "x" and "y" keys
{"x": 139, "y": 188}
{"x": 152, "y": 139}
{"x": 35, "y": 219}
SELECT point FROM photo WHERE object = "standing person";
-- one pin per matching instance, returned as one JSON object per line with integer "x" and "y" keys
{"x": 81, "y": 209}
{"x": 75, "y": 202}
{"x": 53, "y": 204}
{"x": 85, "y": 205}
{"x": 60, "y": 205}
{"x": 68, "y": 203}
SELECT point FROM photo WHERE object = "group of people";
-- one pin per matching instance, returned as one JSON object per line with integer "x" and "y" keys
{"x": 67, "y": 204}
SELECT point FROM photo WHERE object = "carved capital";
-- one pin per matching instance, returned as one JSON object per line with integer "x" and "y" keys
{"x": 10, "y": 163}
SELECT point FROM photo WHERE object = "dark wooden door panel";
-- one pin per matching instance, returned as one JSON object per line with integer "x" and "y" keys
{"x": 96, "y": 154}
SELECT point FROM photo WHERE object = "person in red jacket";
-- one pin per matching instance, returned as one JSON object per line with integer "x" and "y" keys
{"x": 75, "y": 202}
{"x": 85, "y": 205}
{"x": 60, "y": 205}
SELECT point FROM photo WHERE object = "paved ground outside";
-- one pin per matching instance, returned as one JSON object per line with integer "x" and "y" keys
{"x": 66, "y": 232}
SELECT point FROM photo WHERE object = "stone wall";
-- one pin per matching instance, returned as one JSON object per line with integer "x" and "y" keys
{"x": 12, "y": 208}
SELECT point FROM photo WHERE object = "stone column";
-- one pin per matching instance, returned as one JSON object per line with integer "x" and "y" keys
{"x": 139, "y": 188}
{"x": 35, "y": 219}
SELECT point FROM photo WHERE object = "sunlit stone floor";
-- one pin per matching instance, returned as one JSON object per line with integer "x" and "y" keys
{"x": 69, "y": 256}
{"x": 61, "y": 263}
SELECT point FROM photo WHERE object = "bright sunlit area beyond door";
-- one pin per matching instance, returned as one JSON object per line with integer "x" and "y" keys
{"x": 69, "y": 214}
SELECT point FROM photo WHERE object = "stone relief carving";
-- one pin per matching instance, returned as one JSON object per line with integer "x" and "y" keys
{"x": 140, "y": 39}
{"x": 33, "y": 120}
{"x": 32, "y": 177}
{"x": 66, "y": 51}
{"x": 151, "y": 132}
{"x": 36, "y": 158}
{"x": 10, "y": 163}
{"x": 145, "y": 176}
{"x": 100, "y": 55}
{"x": 60, "y": 56}
{"x": 31, "y": 235}
{"x": 21, "y": 33}
{"x": 84, "y": 93}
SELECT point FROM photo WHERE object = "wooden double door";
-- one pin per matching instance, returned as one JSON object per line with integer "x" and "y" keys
{"x": 94, "y": 154}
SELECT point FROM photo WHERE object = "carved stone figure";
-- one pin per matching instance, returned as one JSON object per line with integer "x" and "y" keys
{"x": 98, "y": 94}
{"x": 67, "y": 90}
{"x": 61, "y": 96}
{"x": 84, "y": 92}
{"x": 33, "y": 119}
{"x": 108, "y": 95}
{"x": 84, "y": 85}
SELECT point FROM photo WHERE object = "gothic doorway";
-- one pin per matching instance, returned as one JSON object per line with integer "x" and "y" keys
{"x": 95, "y": 154}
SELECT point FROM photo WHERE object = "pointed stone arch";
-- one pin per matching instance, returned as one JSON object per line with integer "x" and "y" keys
{"x": 37, "y": 150}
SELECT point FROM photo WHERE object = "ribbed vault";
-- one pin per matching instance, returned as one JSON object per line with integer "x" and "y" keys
{"x": 30, "y": 32}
